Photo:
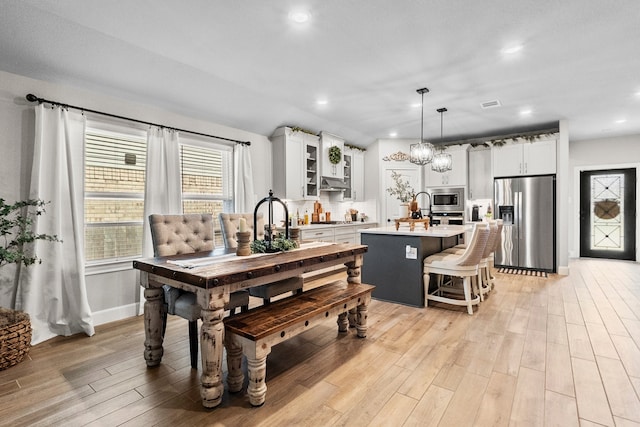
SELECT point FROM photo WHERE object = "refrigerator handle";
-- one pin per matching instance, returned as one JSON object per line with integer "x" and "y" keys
{"x": 518, "y": 200}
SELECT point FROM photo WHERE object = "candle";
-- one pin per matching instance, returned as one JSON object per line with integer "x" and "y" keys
{"x": 243, "y": 225}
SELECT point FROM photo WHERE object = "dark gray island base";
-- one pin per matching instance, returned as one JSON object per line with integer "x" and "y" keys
{"x": 389, "y": 263}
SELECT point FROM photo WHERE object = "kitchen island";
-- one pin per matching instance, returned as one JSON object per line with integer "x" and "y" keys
{"x": 394, "y": 260}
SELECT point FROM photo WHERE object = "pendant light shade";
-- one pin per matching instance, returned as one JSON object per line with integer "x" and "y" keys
{"x": 442, "y": 161}
{"x": 422, "y": 152}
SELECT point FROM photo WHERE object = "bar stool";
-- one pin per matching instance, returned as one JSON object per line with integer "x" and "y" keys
{"x": 464, "y": 266}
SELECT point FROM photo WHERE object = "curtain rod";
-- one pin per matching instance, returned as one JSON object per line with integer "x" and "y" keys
{"x": 32, "y": 98}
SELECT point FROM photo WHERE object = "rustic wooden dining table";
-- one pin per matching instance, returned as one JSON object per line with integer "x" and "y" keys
{"x": 213, "y": 276}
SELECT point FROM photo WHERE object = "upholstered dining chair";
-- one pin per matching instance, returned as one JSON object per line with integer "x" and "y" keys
{"x": 229, "y": 224}
{"x": 464, "y": 266}
{"x": 185, "y": 234}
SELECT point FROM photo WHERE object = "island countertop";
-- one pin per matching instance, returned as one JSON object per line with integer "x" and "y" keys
{"x": 419, "y": 231}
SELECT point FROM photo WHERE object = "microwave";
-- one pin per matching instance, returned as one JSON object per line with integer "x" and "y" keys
{"x": 447, "y": 200}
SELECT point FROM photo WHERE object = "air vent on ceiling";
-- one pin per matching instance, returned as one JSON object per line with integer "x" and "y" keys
{"x": 490, "y": 104}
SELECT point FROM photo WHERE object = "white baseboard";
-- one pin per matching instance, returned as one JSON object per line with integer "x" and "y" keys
{"x": 563, "y": 270}
{"x": 113, "y": 314}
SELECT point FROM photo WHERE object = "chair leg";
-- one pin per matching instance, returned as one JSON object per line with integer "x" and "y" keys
{"x": 466, "y": 282}
{"x": 193, "y": 343}
{"x": 426, "y": 279}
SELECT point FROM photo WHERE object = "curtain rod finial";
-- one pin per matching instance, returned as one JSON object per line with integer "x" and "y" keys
{"x": 31, "y": 98}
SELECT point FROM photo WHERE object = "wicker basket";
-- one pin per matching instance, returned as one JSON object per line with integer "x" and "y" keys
{"x": 15, "y": 337}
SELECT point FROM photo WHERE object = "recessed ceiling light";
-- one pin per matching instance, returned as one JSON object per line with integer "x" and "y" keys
{"x": 299, "y": 16}
{"x": 512, "y": 49}
{"x": 619, "y": 121}
{"x": 526, "y": 112}
{"x": 393, "y": 134}
{"x": 416, "y": 105}
{"x": 322, "y": 102}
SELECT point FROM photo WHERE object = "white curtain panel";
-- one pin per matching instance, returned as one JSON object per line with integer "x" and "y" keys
{"x": 242, "y": 179}
{"x": 54, "y": 293}
{"x": 163, "y": 184}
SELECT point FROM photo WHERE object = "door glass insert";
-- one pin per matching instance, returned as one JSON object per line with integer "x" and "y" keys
{"x": 607, "y": 212}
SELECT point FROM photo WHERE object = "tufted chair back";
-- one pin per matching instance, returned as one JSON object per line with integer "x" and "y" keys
{"x": 230, "y": 222}
{"x": 474, "y": 252}
{"x": 181, "y": 234}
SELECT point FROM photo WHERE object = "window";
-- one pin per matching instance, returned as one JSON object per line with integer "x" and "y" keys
{"x": 206, "y": 180}
{"x": 114, "y": 194}
{"x": 115, "y": 159}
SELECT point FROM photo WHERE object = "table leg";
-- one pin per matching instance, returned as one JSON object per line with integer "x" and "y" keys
{"x": 211, "y": 346}
{"x": 353, "y": 276}
{"x": 257, "y": 388}
{"x": 153, "y": 325}
{"x": 235, "y": 378}
{"x": 343, "y": 323}
{"x": 361, "y": 320}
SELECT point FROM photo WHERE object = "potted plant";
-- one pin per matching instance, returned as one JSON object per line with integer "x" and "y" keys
{"x": 403, "y": 191}
{"x": 16, "y": 231}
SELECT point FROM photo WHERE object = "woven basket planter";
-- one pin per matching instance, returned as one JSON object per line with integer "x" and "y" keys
{"x": 15, "y": 337}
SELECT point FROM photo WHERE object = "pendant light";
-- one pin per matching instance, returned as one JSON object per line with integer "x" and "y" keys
{"x": 442, "y": 160}
{"x": 422, "y": 152}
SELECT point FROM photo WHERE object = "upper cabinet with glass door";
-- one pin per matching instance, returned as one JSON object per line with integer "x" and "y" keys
{"x": 353, "y": 174}
{"x": 295, "y": 164}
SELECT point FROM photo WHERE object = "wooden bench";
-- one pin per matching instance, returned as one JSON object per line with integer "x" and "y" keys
{"x": 256, "y": 331}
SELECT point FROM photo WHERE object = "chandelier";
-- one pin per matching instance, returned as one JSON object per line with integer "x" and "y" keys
{"x": 422, "y": 152}
{"x": 442, "y": 161}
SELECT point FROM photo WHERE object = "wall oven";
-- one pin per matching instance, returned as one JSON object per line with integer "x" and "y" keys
{"x": 447, "y": 200}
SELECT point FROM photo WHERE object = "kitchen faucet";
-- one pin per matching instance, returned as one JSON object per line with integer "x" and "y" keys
{"x": 419, "y": 209}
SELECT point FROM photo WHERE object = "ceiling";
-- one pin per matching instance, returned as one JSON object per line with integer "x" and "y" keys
{"x": 245, "y": 64}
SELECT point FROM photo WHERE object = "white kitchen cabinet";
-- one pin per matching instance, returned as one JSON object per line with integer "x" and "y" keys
{"x": 353, "y": 174}
{"x": 295, "y": 164}
{"x": 318, "y": 234}
{"x": 457, "y": 176}
{"x": 345, "y": 234}
{"x": 480, "y": 179}
{"x": 524, "y": 158}
{"x": 340, "y": 233}
{"x": 328, "y": 140}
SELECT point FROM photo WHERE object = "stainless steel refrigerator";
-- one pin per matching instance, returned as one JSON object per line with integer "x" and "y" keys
{"x": 527, "y": 207}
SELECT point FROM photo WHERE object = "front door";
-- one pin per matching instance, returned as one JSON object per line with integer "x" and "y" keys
{"x": 608, "y": 214}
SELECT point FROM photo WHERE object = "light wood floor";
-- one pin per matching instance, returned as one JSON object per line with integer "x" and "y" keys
{"x": 558, "y": 351}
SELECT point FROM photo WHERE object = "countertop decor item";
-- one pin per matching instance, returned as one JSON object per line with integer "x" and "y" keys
{"x": 269, "y": 244}
{"x": 244, "y": 241}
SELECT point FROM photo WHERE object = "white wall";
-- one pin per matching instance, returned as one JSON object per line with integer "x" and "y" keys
{"x": 111, "y": 295}
{"x": 605, "y": 153}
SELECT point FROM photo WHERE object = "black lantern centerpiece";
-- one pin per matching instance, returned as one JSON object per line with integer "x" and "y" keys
{"x": 272, "y": 241}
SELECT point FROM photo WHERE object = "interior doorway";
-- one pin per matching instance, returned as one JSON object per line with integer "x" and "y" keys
{"x": 608, "y": 214}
